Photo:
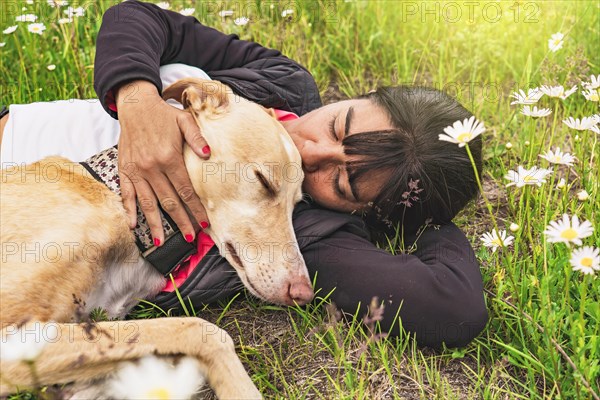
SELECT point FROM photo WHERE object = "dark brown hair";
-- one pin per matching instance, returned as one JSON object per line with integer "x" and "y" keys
{"x": 428, "y": 178}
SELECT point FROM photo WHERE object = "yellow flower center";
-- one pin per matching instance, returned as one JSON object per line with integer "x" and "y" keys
{"x": 557, "y": 159}
{"x": 159, "y": 393}
{"x": 586, "y": 261}
{"x": 595, "y": 97}
{"x": 529, "y": 179}
{"x": 556, "y": 42}
{"x": 464, "y": 137}
{"x": 498, "y": 242}
{"x": 569, "y": 234}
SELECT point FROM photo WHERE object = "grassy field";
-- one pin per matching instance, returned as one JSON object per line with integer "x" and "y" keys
{"x": 542, "y": 341}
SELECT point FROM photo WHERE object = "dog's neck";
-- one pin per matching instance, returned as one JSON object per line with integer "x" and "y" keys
{"x": 104, "y": 168}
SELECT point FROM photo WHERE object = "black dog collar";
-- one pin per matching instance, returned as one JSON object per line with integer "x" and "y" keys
{"x": 103, "y": 167}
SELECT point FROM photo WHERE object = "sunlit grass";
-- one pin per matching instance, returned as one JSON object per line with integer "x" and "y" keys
{"x": 542, "y": 340}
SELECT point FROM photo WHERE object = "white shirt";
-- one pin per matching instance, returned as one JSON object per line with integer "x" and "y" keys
{"x": 73, "y": 128}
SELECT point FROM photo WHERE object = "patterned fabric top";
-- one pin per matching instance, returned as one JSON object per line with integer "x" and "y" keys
{"x": 103, "y": 167}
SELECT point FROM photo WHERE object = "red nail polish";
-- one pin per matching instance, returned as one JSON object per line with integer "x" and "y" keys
{"x": 156, "y": 242}
{"x": 189, "y": 238}
{"x": 204, "y": 224}
{"x": 206, "y": 149}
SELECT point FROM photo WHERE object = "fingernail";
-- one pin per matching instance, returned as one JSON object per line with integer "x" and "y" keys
{"x": 189, "y": 238}
{"x": 156, "y": 242}
{"x": 204, "y": 224}
{"x": 206, "y": 149}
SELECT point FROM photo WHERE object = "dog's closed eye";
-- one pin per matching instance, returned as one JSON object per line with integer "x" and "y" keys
{"x": 266, "y": 183}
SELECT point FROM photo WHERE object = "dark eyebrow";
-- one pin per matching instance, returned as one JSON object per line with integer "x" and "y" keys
{"x": 353, "y": 187}
{"x": 348, "y": 120}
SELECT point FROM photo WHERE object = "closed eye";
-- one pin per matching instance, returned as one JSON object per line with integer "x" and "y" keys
{"x": 266, "y": 184}
{"x": 337, "y": 187}
{"x": 332, "y": 129}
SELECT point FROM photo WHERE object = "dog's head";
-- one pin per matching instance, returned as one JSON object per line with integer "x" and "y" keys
{"x": 249, "y": 187}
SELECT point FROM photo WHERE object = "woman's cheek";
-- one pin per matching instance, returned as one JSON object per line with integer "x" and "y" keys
{"x": 315, "y": 188}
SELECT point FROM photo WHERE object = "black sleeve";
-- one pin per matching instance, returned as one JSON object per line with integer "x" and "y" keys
{"x": 438, "y": 288}
{"x": 136, "y": 38}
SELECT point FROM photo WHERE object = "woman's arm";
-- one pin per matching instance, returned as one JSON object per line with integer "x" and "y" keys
{"x": 438, "y": 288}
{"x": 136, "y": 38}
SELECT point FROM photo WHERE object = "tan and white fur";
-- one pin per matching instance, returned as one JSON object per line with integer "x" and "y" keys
{"x": 65, "y": 242}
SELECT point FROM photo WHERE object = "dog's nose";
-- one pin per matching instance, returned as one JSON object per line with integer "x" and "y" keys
{"x": 300, "y": 292}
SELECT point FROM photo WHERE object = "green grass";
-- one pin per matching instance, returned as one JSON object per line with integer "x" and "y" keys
{"x": 542, "y": 339}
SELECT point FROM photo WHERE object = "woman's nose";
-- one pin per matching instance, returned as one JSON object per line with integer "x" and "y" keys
{"x": 316, "y": 156}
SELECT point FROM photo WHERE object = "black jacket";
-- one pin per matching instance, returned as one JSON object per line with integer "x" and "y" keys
{"x": 438, "y": 289}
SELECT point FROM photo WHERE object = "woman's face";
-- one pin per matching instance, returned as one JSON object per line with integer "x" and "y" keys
{"x": 318, "y": 136}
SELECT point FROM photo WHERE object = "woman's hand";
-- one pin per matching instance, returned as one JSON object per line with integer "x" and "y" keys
{"x": 151, "y": 165}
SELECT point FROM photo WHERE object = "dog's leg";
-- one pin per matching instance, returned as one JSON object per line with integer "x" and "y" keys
{"x": 86, "y": 352}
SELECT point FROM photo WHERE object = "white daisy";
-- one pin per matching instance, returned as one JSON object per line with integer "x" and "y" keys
{"x": 26, "y": 18}
{"x": 493, "y": 240}
{"x": 2, "y": 44}
{"x": 287, "y": 13}
{"x": 555, "y": 42}
{"x": 583, "y": 195}
{"x": 164, "y": 5}
{"x": 187, "y": 11}
{"x": 65, "y": 20}
{"x": 508, "y": 145}
{"x": 225, "y": 13}
{"x": 462, "y": 132}
{"x": 241, "y": 21}
{"x": 514, "y": 227}
{"x": 27, "y": 342}
{"x": 558, "y": 91}
{"x": 585, "y": 259}
{"x": 155, "y": 378}
{"x": 74, "y": 12}
{"x": 522, "y": 177}
{"x": 10, "y": 29}
{"x": 558, "y": 157}
{"x": 531, "y": 97}
{"x": 591, "y": 95}
{"x": 586, "y": 123}
{"x": 536, "y": 113}
{"x": 568, "y": 230}
{"x": 593, "y": 84}
{"x": 596, "y": 118}
{"x": 38, "y": 28}
{"x": 561, "y": 184}
{"x": 51, "y": 67}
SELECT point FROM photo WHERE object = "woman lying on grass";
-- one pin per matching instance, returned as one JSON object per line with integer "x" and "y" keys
{"x": 377, "y": 155}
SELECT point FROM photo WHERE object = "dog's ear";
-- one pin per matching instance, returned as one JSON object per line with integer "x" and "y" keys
{"x": 200, "y": 95}
{"x": 270, "y": 111}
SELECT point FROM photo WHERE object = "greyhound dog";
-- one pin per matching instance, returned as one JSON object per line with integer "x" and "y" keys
{"x": 78, "y": 230}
